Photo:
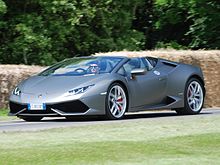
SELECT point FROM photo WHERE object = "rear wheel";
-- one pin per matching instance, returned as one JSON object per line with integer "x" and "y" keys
{"x": 193, "y": 98}
{"x": 116, "y": 101}
{"x": 31, "y": 118}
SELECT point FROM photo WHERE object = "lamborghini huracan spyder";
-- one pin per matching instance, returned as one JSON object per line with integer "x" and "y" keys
{"x": 110, "y": 86}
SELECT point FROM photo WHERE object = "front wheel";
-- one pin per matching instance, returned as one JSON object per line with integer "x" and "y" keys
{"x": 194, "y": 98}
{"x": 30, "y": 118}
{"x": 116, "y": 101}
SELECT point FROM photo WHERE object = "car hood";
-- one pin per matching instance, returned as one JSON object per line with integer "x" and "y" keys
{"x": 58, "y": 84}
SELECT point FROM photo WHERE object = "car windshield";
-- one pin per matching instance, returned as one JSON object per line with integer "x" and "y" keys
{"x": 82, "y": 66}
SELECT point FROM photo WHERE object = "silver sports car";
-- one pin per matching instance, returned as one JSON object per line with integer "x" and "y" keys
{"x": 109, "y": 86}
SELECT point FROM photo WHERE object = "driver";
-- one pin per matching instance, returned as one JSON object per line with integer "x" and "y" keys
{"x": 93, "y": 68}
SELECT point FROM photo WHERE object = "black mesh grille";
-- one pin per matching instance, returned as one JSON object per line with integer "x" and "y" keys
{"x": 70, "y": 107}
{"x": 15, "y": 107}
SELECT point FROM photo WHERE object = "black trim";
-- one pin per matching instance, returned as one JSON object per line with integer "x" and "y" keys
{"x": 70, "y": 107}
{"x": 169, "y": 100}
{"x": 47, "y": 111}
{"x": 75, "y": 106}
{"x": 15, "y": 107}
{"x": 169, "y": 63}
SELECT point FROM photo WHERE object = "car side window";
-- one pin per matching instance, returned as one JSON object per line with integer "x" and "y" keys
{"x": 121, "y": 71}
{"x": 149, "y": 66}
{"x": 153, "y": 61}
{"x": 133, "y": 63}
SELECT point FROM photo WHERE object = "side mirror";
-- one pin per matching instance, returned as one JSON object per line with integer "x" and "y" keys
{"x": 136, "y": 72}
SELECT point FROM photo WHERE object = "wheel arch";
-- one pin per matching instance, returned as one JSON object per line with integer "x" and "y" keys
{"x": 186, "y": 109}
{"x": 126, "y": 90}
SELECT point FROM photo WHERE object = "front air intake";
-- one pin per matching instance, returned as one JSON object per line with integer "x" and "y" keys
{"x": 70, "y": 107}
{"x": 15, "y": 107}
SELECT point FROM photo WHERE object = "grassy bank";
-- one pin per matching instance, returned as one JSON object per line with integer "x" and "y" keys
{"x": 4, "y": 115}
{"x": 3, "y": 112}
{"x": 185, "y": 140}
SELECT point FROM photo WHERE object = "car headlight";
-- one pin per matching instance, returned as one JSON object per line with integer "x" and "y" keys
{"x": 17, "y": 91}
{"x": 79, "y": 90}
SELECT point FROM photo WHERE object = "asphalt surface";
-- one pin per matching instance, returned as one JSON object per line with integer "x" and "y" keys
{"x": 49, "y": 123}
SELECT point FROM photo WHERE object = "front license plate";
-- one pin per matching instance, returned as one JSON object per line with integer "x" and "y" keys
{"x": 37, "y": 106}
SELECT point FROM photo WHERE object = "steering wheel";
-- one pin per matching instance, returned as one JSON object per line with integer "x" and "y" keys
{"x": 80, "y": 70}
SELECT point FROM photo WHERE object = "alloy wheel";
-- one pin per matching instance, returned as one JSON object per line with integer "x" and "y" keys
{"x": 195, "y": 96}
{"x": 117, "y": 101}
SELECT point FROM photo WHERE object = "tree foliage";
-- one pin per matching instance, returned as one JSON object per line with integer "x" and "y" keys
{"x": 43, "y": 32}
{"x": 194, "y": 24}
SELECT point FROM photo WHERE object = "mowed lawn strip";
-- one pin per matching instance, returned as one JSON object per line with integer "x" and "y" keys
{"x": 3, "y": 112}
{"x": 166, "y": 140}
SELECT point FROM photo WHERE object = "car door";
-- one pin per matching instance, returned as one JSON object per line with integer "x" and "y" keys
{"x": 148, "y": 89}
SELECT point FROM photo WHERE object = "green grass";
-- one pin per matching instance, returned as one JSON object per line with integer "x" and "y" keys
{"x": 185, "y": 140}
{"x": 4, "y": 115}
{"x": 3, "y": 112}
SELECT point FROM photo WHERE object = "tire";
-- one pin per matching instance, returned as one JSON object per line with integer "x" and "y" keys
{"x": 31, "y": 118}
{"x": 193, "y": 98}
{"x": 116, "y": 102}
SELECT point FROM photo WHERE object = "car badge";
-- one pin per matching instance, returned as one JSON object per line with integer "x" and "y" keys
{"x": 40, "y": 95}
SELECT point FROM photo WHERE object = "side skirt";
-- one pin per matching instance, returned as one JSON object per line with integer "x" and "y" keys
{"x": 169, "y": 103}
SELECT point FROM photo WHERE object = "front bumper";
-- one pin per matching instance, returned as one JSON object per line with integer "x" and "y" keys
{"x": 68, "y": 108}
